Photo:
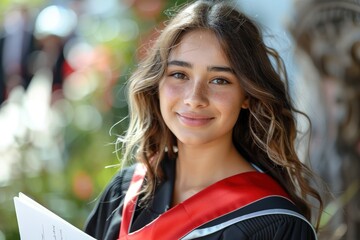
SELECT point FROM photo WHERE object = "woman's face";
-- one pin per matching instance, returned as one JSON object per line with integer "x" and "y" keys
{"x": 200, "y": 96}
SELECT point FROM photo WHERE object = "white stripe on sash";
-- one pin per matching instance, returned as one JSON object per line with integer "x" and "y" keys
{"x": 200, "y": 232}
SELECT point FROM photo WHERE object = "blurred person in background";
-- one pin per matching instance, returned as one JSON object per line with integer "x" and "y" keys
{"x": 212, "y": 128}
{"x": 16, "y": 45}
{"x": 54, "y": 27}
{"x": 28, "y": 46}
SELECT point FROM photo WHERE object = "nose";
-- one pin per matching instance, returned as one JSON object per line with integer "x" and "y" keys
{"x": 197, "y": 95}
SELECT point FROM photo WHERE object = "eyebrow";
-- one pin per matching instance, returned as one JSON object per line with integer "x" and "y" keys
{"x": 180, "y": 64}
{"x": 209, "y": 68}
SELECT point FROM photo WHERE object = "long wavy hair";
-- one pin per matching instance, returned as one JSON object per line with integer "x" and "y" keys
{"x": 265, "y": 133}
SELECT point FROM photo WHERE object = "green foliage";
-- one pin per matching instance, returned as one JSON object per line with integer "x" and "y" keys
{"x": 63, "y": 166}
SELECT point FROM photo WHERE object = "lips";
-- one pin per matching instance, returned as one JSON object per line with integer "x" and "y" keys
{"x": 194, "y": 119}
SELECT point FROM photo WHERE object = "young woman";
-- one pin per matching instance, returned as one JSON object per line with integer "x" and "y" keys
{"x": 212, "y": 128}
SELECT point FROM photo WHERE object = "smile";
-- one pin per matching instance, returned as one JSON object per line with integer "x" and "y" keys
{"x": 193, "y": 120}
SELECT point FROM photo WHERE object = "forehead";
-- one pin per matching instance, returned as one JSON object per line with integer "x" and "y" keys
{"x": 199, "y": 46}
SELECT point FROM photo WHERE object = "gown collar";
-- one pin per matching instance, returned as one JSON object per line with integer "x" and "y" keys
{"x": 162, "y": 199}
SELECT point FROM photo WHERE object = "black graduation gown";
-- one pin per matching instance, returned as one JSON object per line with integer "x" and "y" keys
{"x": 104, "y": 221}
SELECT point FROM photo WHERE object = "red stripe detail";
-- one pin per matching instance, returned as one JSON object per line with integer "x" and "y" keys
{"x": 214, "y": 201}
{"x": 131, "y": 199}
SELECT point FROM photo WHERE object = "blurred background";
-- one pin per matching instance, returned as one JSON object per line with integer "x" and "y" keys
{"x": 63, "y": 66}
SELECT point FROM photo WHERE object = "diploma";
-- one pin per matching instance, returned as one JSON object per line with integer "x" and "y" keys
{"x": 37, "y": 222}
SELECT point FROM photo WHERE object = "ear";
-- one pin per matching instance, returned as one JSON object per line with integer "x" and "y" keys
{"x": 245, "y": 103}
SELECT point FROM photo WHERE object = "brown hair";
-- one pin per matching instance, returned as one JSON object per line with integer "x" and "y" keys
{"x": 264, "y": 133}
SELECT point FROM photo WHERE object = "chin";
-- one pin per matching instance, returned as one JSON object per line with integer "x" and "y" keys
{"x": 193, "y": 141}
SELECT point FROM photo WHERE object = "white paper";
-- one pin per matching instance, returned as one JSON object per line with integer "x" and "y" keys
{"x": 38, "y": 223}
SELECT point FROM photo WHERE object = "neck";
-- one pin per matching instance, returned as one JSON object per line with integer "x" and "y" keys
{"x": 198, "y": 167}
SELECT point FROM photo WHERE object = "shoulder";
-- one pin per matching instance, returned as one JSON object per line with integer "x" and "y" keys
{"x": 108, "y": 205}
{"x": 269, "y": 218}
{"x": 117, "y": 186}
{"x": 119, "y": 183}
{"x": 271, "y": 226}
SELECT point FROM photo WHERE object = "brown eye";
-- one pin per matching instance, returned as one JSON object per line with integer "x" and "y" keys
{"x": 178, "y": 75}
{"x": 220, "y": 81}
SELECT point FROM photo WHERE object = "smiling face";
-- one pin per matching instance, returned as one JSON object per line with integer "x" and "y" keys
{"x": 200, "y": 96}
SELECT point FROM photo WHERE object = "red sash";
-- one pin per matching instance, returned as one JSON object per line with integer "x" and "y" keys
{"x": 214, "y": 201}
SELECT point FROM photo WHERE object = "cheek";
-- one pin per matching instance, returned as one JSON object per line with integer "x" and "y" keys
{"x": 169, "y": 92}
{"x": 229, "y": 104}
{"x": 228, "y": 100}
{"x": 167, "y": 97}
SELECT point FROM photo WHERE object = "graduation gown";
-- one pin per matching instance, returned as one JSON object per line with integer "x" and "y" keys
{"x": 271, "y": 217}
